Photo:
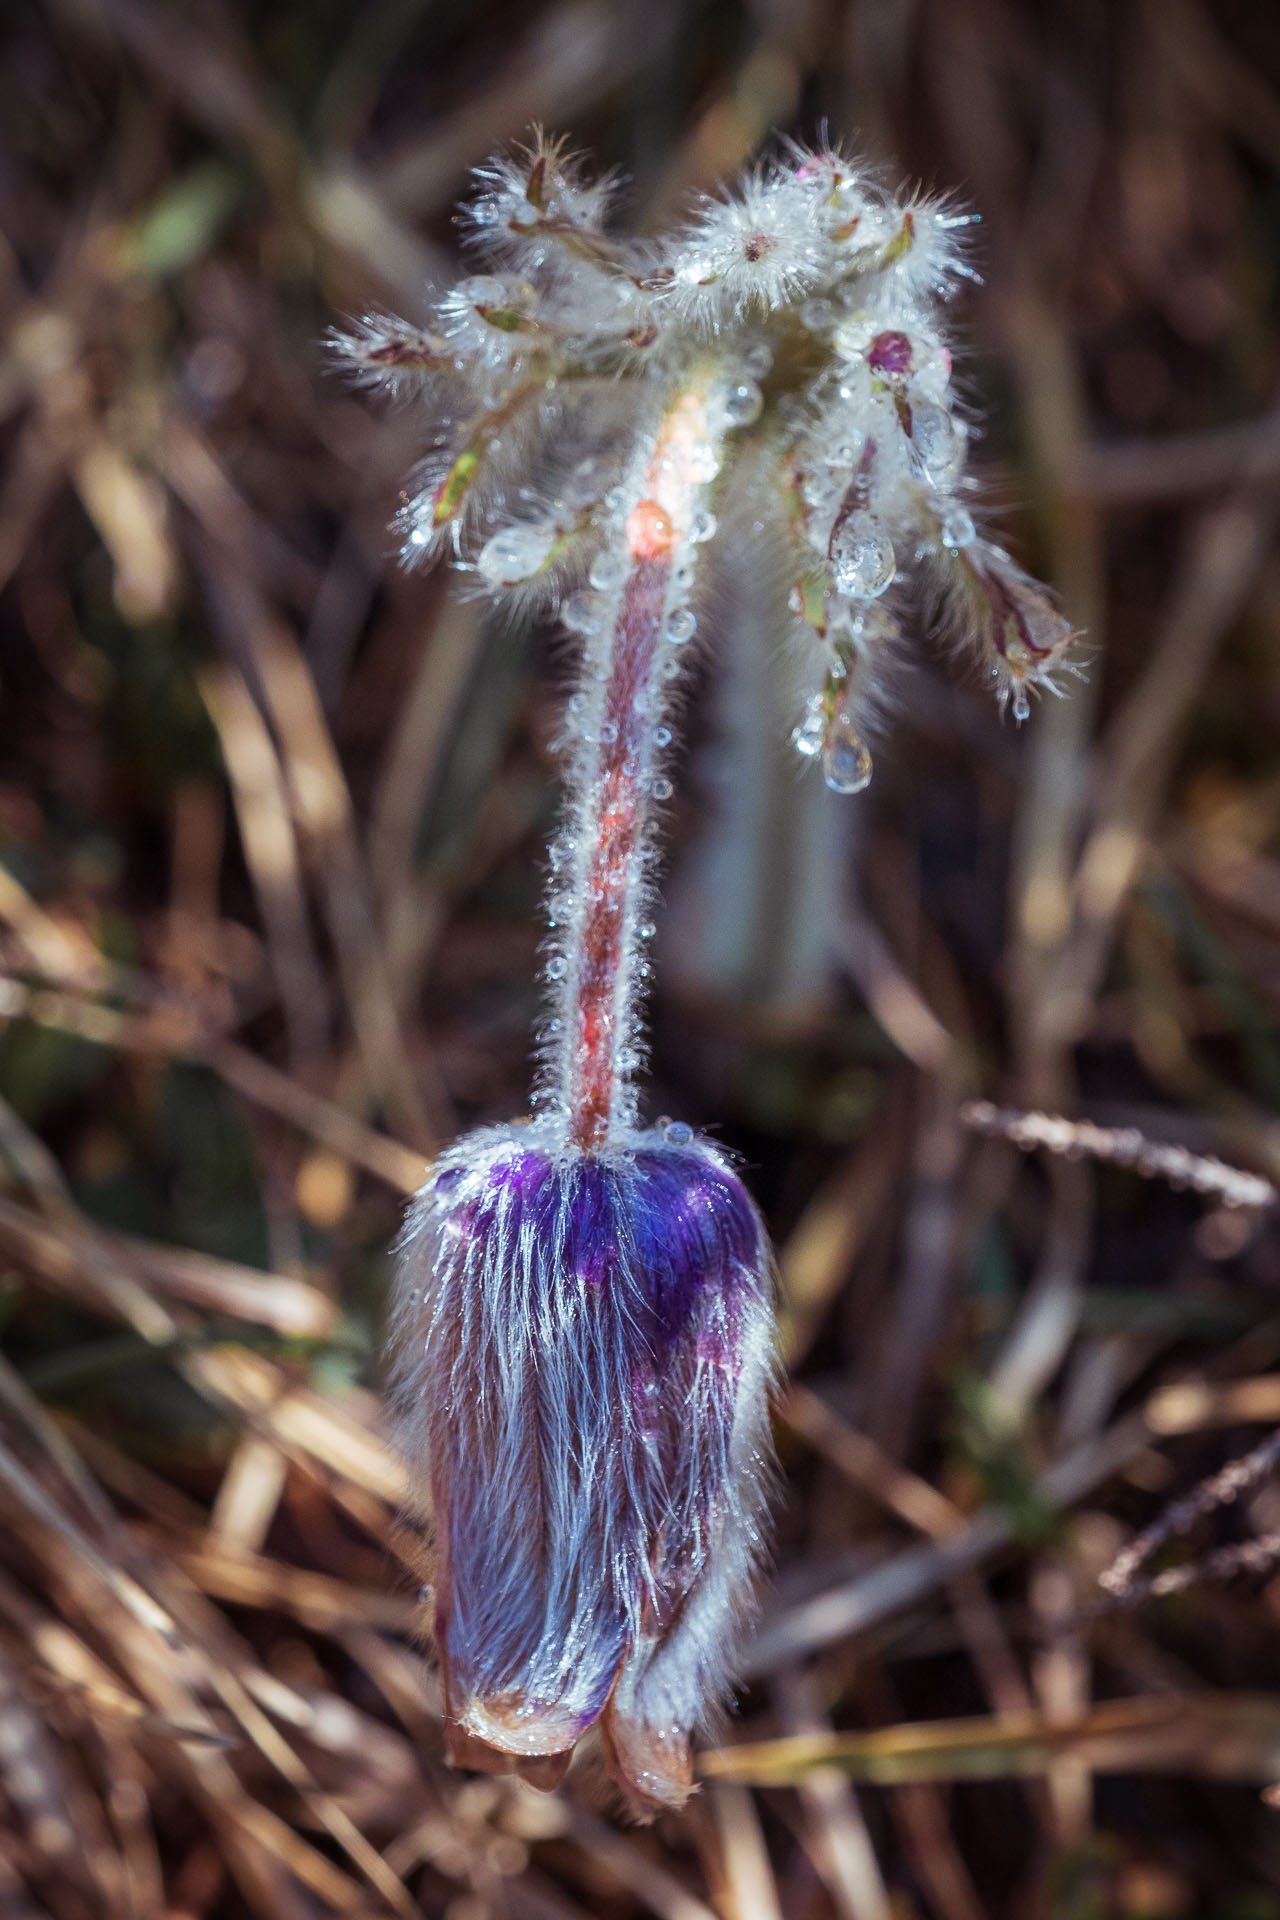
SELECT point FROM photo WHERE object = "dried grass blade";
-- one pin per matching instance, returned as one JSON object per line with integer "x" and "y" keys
{"x": 1226, "y": 1736}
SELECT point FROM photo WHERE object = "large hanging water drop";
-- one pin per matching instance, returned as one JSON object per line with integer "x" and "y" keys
{"x": 846, "y": 758}
{"x": 862, "y": 562}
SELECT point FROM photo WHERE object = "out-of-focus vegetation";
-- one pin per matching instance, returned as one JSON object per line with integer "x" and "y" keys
{"x": 271, "y": 820}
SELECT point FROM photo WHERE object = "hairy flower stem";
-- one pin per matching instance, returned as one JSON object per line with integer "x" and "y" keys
{"x": 616, "y": 836}
{"x": 623, "y": 698}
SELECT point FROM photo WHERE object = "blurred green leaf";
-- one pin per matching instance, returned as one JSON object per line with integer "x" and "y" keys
{"x": 40, "y": 1067}
{"x": 183, "y": 221}
{"x": 999, "y": 1454}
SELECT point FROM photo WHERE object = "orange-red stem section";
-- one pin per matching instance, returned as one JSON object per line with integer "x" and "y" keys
{"x": 617, "y": 834}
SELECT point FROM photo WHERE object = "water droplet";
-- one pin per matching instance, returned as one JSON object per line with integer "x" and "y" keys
{"x": 1021, "y": 705}
{"x": 420, "y": 537}
{"x": 846, "y": 761}
{"x": 581, "y": 613}
{"x": 662, "y": 736}
{"x": 936, "y": 446}
{"x": 862, "y": 562}
{"x": 807, "y": 737}
{"x": 702, "y": 527}
{"x": 671, "y": 670}
{"x": 818, "y": 314}
{"x": 677, "y": 1133}
{"x": 515, "y": 553}
{"x": 484, "y": 290}
{"x": 681, "y": 626}
{"x": 932, "y": 370}
{"x": 607, "y": 570}
{"x": 649, "y": 530}
{"x": 557, "y": 967}
{"x": 957, "y": 528}
{"x": 662, "y": 788}
{"x": 698, "y": 271}
{"x": 646, "y": 930}
{"x": 854, "y": 335}
{"x": 743, "y": 403}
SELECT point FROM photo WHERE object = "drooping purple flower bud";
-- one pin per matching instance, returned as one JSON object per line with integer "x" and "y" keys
{"x": 583, "y": 1352}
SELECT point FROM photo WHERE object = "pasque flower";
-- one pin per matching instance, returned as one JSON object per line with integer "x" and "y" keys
{"x": 585, "y": 1344}
{"x": 582, "y": 1330}
{"x": 584, "y": 1323}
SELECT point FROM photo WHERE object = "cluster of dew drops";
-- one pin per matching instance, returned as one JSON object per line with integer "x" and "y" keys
{"x": 818, "y": 297}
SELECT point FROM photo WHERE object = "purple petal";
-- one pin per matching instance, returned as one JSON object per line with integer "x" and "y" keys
{"x": 583, "y": 1358}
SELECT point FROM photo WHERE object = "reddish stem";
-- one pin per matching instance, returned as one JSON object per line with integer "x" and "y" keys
{"x": 617, "y": 852}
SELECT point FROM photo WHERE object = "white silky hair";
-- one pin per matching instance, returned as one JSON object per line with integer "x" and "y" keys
{"x": 599, "y": 1505}
{"x": 866, "y": 469}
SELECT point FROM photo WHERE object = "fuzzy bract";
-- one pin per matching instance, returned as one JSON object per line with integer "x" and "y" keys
{"x": 583, "y": 1349}
{"x": 821, "y": 296}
